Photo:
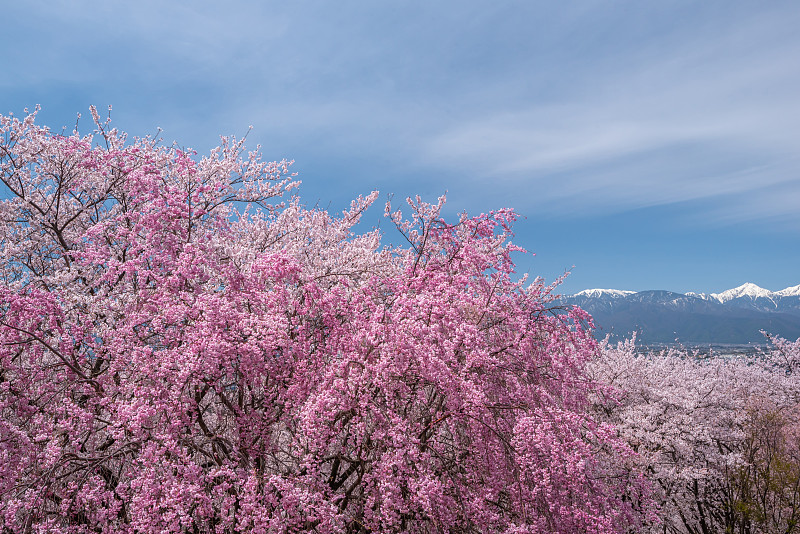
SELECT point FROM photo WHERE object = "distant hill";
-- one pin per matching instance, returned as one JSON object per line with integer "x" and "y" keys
{"x": 735, "y": 316}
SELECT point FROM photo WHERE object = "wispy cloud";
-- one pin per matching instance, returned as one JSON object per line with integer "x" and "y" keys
{"x": 716, "y": 116}
{"x": 597, "y": 106}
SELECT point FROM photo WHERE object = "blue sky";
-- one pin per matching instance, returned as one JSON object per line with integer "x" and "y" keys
{"x": 651, "y": 145}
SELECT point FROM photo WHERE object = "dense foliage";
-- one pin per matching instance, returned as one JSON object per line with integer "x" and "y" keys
{"x": 719, "y": 437}
{"x": 183, "y": 351}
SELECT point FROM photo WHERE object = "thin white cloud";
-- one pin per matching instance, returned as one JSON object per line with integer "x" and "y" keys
{"x": 715, "y": 116}
{"x": 699, "y": 121}
{"x": 599, "y": 106}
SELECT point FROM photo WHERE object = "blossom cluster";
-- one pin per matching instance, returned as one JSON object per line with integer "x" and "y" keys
{"x": 184, "y": 347}
{"x": 719, "y": 436}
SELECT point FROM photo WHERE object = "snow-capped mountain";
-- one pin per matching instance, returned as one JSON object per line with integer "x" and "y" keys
{"x": 793, "y": 291}
{"x": 599, "y": 293}
{"x": 750, "y": 292}
{"x": 747, "y": 295}
{"x": 737, "y": 315}
{"x": 751, "y": 296}
{"x": 747, "y": 290}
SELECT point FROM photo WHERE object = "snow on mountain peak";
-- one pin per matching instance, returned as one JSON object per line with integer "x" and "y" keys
{"x": 596, "y": 293}
{"x": 793, "y": 291}
{"x": 745, "y": 290}
{"x": 749, "y": 290}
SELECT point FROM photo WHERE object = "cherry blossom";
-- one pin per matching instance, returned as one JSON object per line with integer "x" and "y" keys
{"x": 717, "y": 435}
{"x": 185, "y": 347}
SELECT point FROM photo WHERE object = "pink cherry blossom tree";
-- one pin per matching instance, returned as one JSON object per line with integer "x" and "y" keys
{"x": 183, "y": 348}
{"x": 718, "y": 436}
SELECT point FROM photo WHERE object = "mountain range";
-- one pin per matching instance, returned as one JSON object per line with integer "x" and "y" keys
{"x": 733, "y": 317}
